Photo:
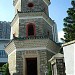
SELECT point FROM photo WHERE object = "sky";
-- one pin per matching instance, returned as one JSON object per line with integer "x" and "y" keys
{"x": 57, "y": 11}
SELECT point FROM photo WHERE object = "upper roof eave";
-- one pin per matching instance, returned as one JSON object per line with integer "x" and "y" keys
{"x": 68, "y": 43}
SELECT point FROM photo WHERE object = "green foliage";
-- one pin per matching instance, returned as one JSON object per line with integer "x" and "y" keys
{"x": 0, "y": 69}
{"x": 69, "y": 24}
{"x": 5, "y": 69}
{"x": 49, "y": 69}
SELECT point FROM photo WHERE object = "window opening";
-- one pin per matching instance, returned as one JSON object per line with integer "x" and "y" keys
{"x": 30, "y": 5}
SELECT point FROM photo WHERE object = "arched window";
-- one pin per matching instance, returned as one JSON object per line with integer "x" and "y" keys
{"x": 30, "y": 30}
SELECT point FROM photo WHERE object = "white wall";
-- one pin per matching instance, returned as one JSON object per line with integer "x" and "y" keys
{"x": 18, "y": 6}
{"x": 69, "y": 58}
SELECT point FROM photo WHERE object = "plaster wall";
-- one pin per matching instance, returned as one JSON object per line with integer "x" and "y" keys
{"x": 69, "y": 58}
{"x": 18, "y": 6}
{"x": 15, "y": 28}
{"x": 12, "y": 63}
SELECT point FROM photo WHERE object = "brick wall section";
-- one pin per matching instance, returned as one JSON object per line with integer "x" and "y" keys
{"x": 42, "y": 27}
{"x": 45, "y": 24}
{"x": 16, "y": 60}
{"x": 39, "y": 5}
{"x": 43, "y": 61}
{"x": 12, "y": 63}
{"x": 53, "y": 46}
{"x": 34, "y": 43}
{"x": 31, "y": 43}
{"x": 19, "y": 62}
{"x": 49, "y": 55}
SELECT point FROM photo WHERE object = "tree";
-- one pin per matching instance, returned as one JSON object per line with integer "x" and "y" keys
{"x": 49, "y": 69}
{"x": 5, "y": 69}
{"x": 69, "y": 24}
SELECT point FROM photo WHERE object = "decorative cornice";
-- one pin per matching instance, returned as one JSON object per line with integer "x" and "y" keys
{"x": 34, "y": 15}
{"x": 31, "y": 15}
{"x": 32, "y": 44}
{"x": 37, "y": 48}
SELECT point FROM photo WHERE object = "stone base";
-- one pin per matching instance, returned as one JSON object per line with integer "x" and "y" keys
{"x": 21, "y": 52}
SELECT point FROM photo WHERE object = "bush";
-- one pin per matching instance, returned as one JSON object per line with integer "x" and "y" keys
{"x": 5, "y": 69}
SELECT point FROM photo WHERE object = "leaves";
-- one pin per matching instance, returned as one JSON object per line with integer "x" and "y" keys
{"x": 5, "y": 69}
{"x": 69, "y": 24}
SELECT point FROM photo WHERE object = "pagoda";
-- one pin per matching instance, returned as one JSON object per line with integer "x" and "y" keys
{"x": 34, "y": 38}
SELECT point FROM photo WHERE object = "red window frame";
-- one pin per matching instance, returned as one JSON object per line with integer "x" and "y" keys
{"x": 27, "y": 26}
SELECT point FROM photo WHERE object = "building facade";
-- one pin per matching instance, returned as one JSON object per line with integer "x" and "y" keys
{"x": 3, "y": 54}
{"x": 34, "y": 37}
{"x": 4, "y": 30}
{"x": 4, "y": 39}
{"x": 69, "y": 51}
{"x": 57, "y": 64}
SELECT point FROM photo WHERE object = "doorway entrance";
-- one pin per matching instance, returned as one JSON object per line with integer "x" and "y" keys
{"x": 31, "y": 66}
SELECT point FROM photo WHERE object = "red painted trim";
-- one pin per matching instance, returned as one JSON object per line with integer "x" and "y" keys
{"x": 27, "y": 31}
{"x": 33, "y": 27}
{"x": 34, "y": 30}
